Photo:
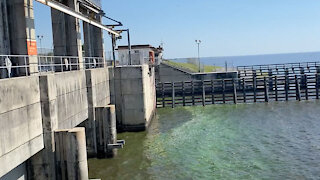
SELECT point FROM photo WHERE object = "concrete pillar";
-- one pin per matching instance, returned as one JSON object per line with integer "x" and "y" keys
{"x": 4, "y": 36}
{"x": 71, "y": 154}
{"x": 42, "y": 165}
{"x": 106, "y": 131}
{"x": 22, "y": 35}
{"x": 93, "y": 41}
{"x": 67, "y": 35}
{"x": 134, "y": 94}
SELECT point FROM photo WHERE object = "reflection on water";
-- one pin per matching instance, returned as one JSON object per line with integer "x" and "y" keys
{"x": 248, "y": 141}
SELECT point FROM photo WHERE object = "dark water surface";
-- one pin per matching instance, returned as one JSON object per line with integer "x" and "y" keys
{"x": 247, "y": 141}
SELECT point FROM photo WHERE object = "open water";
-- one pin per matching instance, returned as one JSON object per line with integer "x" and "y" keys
{"x": 247, "y": 141}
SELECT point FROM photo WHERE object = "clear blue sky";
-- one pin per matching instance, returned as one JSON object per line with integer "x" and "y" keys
{"x": 226, "y": 27}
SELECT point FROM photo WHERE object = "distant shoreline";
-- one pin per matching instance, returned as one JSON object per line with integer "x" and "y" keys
{"x": 233, "y": 61}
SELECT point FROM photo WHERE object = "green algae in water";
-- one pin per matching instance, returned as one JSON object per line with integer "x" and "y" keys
{"x": 249, "y": 141}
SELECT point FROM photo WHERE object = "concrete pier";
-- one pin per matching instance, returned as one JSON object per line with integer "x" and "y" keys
{"x": 71, "y": 154}
{"x": 106, "y": 131}
{"x": 133, "y": 92}
{"x": 97, "y": 81}
{"x": 21, "y": 134}
{"x": 93, "y": 40}
{"x": 67, "y": 34}
{"x": 64, "y": 106}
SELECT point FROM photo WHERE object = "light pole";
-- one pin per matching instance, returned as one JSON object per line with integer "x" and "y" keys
{"x": 40, "y": 37}
{"x": 198, "y": 43}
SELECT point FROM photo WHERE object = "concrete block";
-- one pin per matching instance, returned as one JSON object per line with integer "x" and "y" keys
{"x": 106, "y": 130}
{"x": 133, "y": 101}
{"x": 21, "y": 133}
{"x": 131, "y": 86}
{"x": 71, "y": 154}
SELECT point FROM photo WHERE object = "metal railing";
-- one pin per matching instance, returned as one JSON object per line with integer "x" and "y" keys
{"x": 279, "y": 69}
{"x": 24, "y": 65}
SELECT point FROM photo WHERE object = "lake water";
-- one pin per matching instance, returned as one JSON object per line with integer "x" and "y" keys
{"x": 247, "y": 141}
{"x": 234, "y": 61}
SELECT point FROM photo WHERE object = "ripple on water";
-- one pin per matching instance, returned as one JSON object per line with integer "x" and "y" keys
{"x": 252, "y": 141}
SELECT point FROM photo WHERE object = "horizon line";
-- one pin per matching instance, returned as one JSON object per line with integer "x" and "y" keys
{"x": 247, "y": 55}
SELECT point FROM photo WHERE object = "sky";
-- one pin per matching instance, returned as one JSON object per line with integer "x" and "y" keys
{"x": 225, "y": 27}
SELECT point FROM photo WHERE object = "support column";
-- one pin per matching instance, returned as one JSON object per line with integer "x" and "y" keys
{"x": 42, "y": 165}
{"x": 67, "y": 35}
{"x": 22, "y": 36}
{"x": 107, "y": 131}
{"x": 93, "y": 41}
{"x": 4, "y": 36}
{"x": 71, "y": 154}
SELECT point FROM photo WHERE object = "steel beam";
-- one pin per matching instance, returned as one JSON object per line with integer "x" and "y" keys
{"x": 75, "y": 14}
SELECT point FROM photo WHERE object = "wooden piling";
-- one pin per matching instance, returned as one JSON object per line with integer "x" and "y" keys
{"x": 286, "y": 86}
{"x": 270, "y": 74}
{"x": 307, "y": 90}
{"x": 203, "y": 94}
{"x": 234, "y": 92}
{"x": 223, "y": 91}
{"x": 212, "y": 92}
{"x": 173, "y": 95}
{"x": 298, "y": 91}
{"x": 276, "y": 87}
{"x": 163, "y": 96}
{"x": 254, "y": 83}
{"x": 192, "y": 92}
{"x": 266, "y": 90}
{"x": 244, "y": 90}
{"x": 183, "y": 94}
{"x": 317, "y": 86}
{"x": 318, "y": 69}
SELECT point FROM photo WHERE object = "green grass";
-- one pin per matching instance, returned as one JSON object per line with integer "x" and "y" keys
{"x": 192, "y": 67}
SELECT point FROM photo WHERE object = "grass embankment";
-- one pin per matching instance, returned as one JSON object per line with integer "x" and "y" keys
{"x": 192, "y": 67}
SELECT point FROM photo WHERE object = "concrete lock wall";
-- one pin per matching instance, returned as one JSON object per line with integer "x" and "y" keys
{"x": 134, "y": 96}
{"x": 167, "y": 73}
{"x": 98, "y": 96}
{"x": 21, "y": 133}
{"x": 64, "y": 106}
{"x": 71, "y": 98}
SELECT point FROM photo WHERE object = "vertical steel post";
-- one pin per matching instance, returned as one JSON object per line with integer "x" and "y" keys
{"x": 113, "y": 49}
{"x": 129, "y": 47}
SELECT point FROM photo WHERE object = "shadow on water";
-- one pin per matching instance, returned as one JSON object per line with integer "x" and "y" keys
{"x": 132, "y": 162}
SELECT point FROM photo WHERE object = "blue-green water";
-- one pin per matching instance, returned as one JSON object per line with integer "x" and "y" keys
{"x": 248, "y": 141}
